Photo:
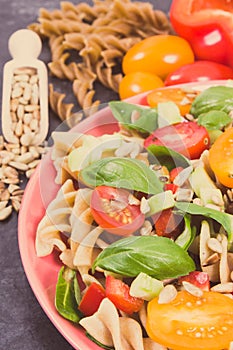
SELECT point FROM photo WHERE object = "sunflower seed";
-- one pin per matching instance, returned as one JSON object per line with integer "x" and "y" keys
{"x": 214, "y": 245}
{"x": 5, "y": 212}
{"x": 192, "y": 289}
{"x": 167, "y": 294}
{"x": 223, "y": 287}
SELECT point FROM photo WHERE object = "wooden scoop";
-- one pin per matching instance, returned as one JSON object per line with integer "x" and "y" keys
{"x": 25, "y": 91}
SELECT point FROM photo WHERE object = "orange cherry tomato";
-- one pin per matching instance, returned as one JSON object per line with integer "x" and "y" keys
{"x": 158, "y": 54}
{"x": 188, "y": 322}
{"x": 221, "y": 158}
{"x": 136, "y": 82}
{"x": 177, "y": 95}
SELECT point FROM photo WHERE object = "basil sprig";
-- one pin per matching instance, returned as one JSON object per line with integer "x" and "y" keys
{"x": 156, "y": 256}
{"x": 128, "y": 173}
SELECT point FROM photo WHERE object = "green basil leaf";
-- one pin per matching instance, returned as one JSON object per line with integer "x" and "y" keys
{"x": 167, "y": 157}
{"x": 146, "y": 122}
{"x": 224, "y": 219}
{"x": 214, "y": 98}
{"x": 127, "y": 173}
{"x": 156, "y": 256}
{"x": 214, "y": 120}
{"x": 67, "y": 294}
{"x": 186, "y": 238}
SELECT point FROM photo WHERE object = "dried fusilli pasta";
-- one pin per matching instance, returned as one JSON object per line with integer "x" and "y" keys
{"x": 100, "y": 34}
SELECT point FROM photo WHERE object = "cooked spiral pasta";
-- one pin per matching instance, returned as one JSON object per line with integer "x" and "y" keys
{"x": 83, "y": 236}
{"x": 120, "y": 332}
{"x": 55, "y": 221}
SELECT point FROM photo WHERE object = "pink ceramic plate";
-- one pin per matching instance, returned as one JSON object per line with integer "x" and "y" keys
{"x": 41, "y": 189}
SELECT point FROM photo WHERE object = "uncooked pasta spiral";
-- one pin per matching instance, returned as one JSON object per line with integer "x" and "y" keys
{"x": 99, "y": 34}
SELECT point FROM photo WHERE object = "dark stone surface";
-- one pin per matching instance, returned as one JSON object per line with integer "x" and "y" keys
{"x": 23, "y": 323}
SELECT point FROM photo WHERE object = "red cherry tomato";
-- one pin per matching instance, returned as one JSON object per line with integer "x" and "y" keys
{"x": 136, "y": 82}
{"x": 187, "y": 138}
{"x": 111, "y": 210}
{"x": 92, "y": 298}
{"x": 199, "y": 71}
{"x": 118, "y": 292}
{"x": 158, "y": 54}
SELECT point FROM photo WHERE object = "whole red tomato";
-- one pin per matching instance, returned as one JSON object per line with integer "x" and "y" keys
{"x": 199, "y": 71}
{"x": 158, "y": 54}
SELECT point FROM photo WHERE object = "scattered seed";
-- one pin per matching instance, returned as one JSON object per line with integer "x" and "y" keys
{"x": 3, "y": 204}
{"x": 19, "y": 166}
{"x": 5, "y": 212}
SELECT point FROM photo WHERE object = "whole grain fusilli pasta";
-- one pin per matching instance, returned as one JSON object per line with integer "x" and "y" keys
{"x": 99, "y": 34}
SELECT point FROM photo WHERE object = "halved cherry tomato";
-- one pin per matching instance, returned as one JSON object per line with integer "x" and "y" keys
{"x": 221, "y": 158}
{"x": 92, "y": 298}
{"x": 136, "y": 82}
{"x": 118, "y": 292}
{"x": 168, "y": 224}
{"x": 177, "y": 95}
{"x": 158, "y": 54}
{"x": 187, "y": 138}
{"x": 188, "y": 322}
{"x": 111, "y": 210}
{"x": 199, "y": 71}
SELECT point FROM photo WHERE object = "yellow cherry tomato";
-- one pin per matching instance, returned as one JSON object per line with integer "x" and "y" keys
{"x": 136, "y": 82}
{"x": 221, "y": 158}
{"x": 192, "y": 323}
{"x": 158, "y": 54}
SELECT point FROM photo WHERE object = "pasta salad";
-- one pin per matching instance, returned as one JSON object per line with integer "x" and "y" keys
{"x": 143, "y": 224}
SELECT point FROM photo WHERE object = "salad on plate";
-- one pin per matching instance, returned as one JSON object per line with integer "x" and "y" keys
{"x": 143, "y": 222}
